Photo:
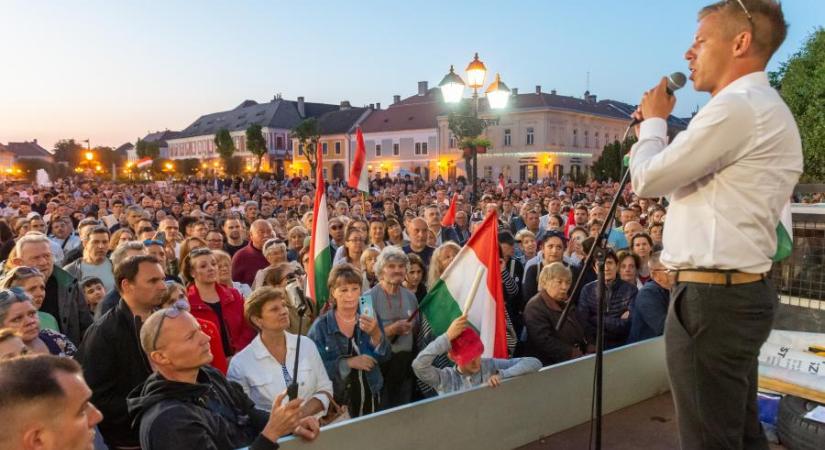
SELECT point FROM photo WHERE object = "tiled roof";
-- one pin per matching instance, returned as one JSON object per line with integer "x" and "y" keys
{"x": 341, "y": 121}
{"x": 160, "y": 137}
{"x": 278, "y": 113}
{"x": 412, "y": 113}
{"x": 28, "y": 150}
{"x": 124, "y": 148}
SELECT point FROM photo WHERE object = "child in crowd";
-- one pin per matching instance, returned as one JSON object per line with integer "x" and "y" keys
{"x": 464, "y": 347}
{"x": 93, "y": 292}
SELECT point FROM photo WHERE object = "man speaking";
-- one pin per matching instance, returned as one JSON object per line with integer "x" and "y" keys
{"x": 727, "y": 176}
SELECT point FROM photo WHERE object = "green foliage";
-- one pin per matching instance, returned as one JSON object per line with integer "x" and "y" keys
{"x": 29, "y": 168}
{"x": 463, "y": 123}
{"x": 308, "y": 132}
{"x": 235, "y": 165}
{"x": 801, "y": 82}
{"x": 68, "y": 151}
{"x": 147, "y": 149}
{"x": 609, "y": 164}
{"x": 224, "y": 144}
{"x": 106, "y": 156}
{"x": 188, "y": 166}
{"x": 256, "y": 144}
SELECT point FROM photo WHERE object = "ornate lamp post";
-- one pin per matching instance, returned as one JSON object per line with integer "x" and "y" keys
{"x": 452, "y": 89}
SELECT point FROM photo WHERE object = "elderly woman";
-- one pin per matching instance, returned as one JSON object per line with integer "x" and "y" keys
{"x": 18, "y": 313}
{"x": 526, "y": 249}
{"x": 552, "y": 250}
{"x": 396, "y": 307}
{"x": 274, "y": 251}
{"x": 215, "y": 302}
{"x": 543, "y": 311}
{"x": 352, "y": 345}
{"x": 266, "y": 367}
{"x": 225, "y": 273}
{"x": 278, "y": 277}
{"x": 295, "y": 240}
{"x": 368, "y": 259}
{"x": 33, "y": 283}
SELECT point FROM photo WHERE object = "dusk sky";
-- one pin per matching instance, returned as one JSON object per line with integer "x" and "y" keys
{"x": 111, "y": 71}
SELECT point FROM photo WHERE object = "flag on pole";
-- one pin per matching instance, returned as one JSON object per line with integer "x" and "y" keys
{"x": 320, "y": 258}
{"x": 144, "y": 163}
{"x": 447, "y": 298}
{"x": 784, "y": 234}
{"x": 571, "y": 222}
{"x": 358, "y": 177}
{"x": 449, "y": 218}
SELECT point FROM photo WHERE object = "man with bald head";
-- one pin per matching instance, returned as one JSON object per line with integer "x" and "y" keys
{"x": 417, "y": 231}
{"x": 250, "y": 259}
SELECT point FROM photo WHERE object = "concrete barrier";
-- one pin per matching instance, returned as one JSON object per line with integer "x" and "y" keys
{"x": 520, "y": 411}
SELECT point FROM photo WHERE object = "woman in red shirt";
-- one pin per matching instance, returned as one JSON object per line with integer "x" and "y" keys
{"x": 215, "y": 302}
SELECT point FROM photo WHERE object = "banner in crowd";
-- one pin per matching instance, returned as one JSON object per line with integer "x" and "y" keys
{"x": 445, "y": 300}
{"x": 449, "y": 218}
{"x": 320, "y": 256}
{"x": 358, "y": 177}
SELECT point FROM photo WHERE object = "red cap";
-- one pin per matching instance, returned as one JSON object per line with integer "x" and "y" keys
{"x": 466, "y": 347}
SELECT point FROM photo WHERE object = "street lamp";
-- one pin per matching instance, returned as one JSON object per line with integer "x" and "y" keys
{"x": 89, "y": 156}
{"x": 452, "y": 89}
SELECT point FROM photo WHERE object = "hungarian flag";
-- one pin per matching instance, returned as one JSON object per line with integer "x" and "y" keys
{"x": 449, "y": 218}
{"x": 320, "y": 259}
{"x": 144, "y": 163}
{"x": 447, "y": 298}
{"x": 571, "y": 222}
{"x": 784, "y": 234}
{"x": 358, "y": 174}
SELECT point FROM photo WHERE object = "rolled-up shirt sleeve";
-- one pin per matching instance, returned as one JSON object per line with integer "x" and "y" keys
{"x": 714, "y": 139}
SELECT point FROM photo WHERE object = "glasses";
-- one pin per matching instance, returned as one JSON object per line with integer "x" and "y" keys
{"x": 200, "y": 251}
{"x": 149, "y": 242}
{"x": 745, "y": 10}
{"x": 171, "y": 312}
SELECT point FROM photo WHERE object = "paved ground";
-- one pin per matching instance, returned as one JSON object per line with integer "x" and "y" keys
{"x": 647, "y": 425}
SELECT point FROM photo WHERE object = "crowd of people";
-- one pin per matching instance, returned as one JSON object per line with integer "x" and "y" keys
{"x": 158, "y": 311}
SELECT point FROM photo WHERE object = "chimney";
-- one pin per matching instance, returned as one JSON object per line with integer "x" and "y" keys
{"x": 372, "y": 106}
{"x": 538, "y": 89}
{"x": 377, "y": 106}
{"x": 422, "y": 88}
{"x": 34, "y": 141}
{"x": 514, "y": 91}
{"x": 345, "y": 104}
{"x": 396, "y": 99}
{"x": 301, "y": 109}
{"x": 553, "y": 92}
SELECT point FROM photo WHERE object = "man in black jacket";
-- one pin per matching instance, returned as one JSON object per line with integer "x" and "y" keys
{"x": 112, "y": 360}
{"x": 187, "y": 405}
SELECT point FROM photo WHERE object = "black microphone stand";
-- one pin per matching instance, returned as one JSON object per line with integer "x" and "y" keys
{"x": 599, "y": 253}
{"x": 292, "y": 389}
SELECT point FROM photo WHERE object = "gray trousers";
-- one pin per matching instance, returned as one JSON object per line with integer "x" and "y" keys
{"x": 713, "y": 334}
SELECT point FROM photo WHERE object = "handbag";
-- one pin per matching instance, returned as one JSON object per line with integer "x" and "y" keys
{"x": 335, "y": 412}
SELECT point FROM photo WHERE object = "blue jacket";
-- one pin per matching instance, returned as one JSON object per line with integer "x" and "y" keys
{"x": 620, "y": 295}
{"x": 649, "y": 312}
{"x": 332, "y": 345}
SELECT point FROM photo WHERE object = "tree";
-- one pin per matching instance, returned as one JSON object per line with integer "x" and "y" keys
{"x": 256, "y": 144}
{"x": 609, "y": 165}
{"x": 68, "y": 151}
{"x": 234, "y": 165}
{"x": 188, "y": 166}
{"x": 307, "y": 132}
{"x": 225, "y": 145}
{"x": 147, "y": 149}
{"x": 801, "y": 83}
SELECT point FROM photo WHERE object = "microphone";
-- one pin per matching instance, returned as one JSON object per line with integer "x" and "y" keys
{"x": 675, "y": 81}
{"x": 295, "y": 296}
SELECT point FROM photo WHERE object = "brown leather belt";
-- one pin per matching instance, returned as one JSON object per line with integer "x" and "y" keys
{"x": 726, "y": 278}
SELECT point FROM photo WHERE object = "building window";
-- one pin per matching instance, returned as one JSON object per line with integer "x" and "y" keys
{"x": 453, "y": 143}
{"x": 420, "y": 148}
{"x": 301, "y": 149}
{"x": 586, "y": 139}
{"x": 396, "y": 149}
{"x": 575, "y": 138}
{"x": 377, "y": 149}
{"x": 597, "y": 140}
{"x": 508, "y": 139}
{"x": 530, "y": 138}
{"x": 325, "y": 173}
{"x": 337, "y": 148}
{"x": 325, "y": 149}
{"x": 279, "y": 142}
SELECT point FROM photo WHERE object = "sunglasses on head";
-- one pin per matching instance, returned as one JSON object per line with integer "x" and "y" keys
{"x": 23, "y": 272}
{"x": 171, "y": 312}
{"x": 13, "y": 295}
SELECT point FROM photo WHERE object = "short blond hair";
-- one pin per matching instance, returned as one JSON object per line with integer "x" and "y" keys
{"x": 555, "y": 271}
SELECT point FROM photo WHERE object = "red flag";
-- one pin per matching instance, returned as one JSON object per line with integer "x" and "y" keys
{"x": 358, "y": 174}
{"x": 449, "y": 218}
{"x": 571, "y": 222}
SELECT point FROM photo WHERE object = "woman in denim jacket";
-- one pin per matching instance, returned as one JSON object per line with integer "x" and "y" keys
{"x": 352, "y": 345}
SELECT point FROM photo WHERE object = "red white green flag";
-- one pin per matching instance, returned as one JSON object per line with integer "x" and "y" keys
{"x": 358, "y": 178}
{"x": 447, "y": 298}
{"x": 449, "y": 218}
{"x": 320, "y": 258}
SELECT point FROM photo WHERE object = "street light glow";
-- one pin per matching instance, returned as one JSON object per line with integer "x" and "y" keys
{"x": 452, "y": 87}
{"x": 476, "y": 72}
{"x": 89, "y": 156}
{"x": 498, "y": 94}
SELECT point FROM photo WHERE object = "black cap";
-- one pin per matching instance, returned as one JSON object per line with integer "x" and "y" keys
{"x": 505, "y": 237}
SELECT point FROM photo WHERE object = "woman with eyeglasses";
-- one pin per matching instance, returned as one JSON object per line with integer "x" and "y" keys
{"x": 33, "y": 283}
{"x": 279, "y": 277}
{"x": 175, "y": 297}
{"x": 215, "y": 302}
{"x": 354, "y": 245}
{"x": 266, "y": 367}
{"x": 18, "y": 313}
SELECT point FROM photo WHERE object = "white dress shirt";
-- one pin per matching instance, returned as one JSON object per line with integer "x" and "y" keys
{"x": 728, "y": 177}
{"x": 261, "y": 375}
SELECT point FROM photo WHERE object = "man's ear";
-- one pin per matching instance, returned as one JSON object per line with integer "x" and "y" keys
{"x": 742, "y": 43}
